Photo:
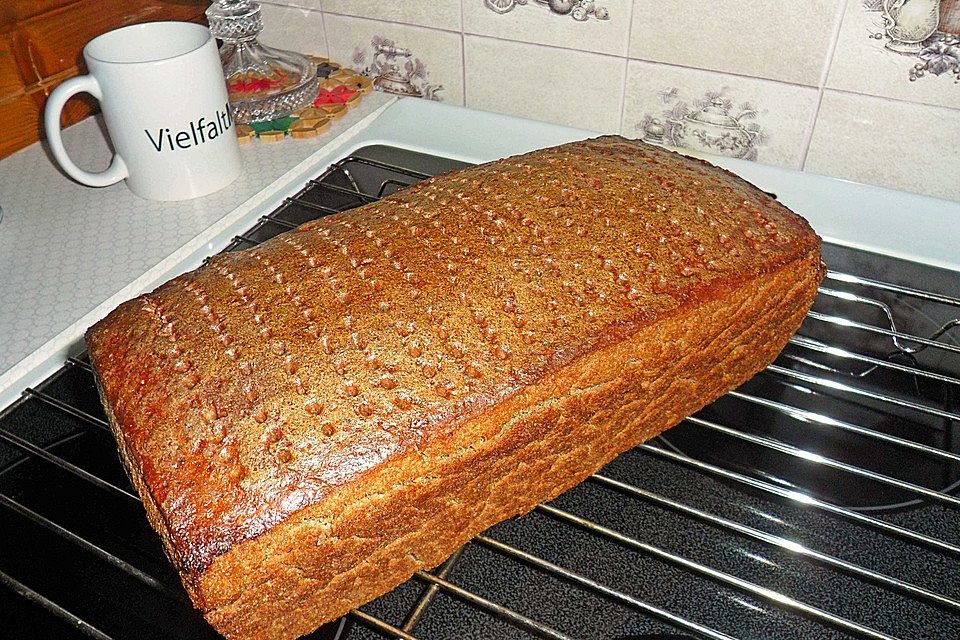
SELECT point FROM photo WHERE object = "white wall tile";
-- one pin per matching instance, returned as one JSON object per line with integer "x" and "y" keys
{"x": 535, "y": 22}
{"x": 864, "y": 63}
{"x": 904, "y": 146}
{"x": 439, "y": 14}
{"x": 544, "y": 83}
{"x": 760, "y": 59}
{"x": 293, "y": 28}
{"x": 305, "y": 4}
{"x": 779, "y": 113}
{"x": 440, "y": 52}
{"x": 786, "y": 41}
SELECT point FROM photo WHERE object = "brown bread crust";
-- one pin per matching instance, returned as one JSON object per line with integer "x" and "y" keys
{"x": 311, "y": 421}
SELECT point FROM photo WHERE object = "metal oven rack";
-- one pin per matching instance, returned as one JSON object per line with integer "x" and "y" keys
{"x": 815, "y": 501}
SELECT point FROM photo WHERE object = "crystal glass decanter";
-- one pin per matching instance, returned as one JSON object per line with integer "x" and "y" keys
{"x": 263, "y": 83}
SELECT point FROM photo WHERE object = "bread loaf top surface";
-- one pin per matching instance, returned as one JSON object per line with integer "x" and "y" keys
{"x": 264, "y": 382}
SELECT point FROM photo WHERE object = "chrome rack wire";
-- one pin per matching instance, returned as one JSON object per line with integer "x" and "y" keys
{"x": 779, "y": 538}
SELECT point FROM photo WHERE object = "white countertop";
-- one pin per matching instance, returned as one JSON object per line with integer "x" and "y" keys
{"x": 69, "y": 254}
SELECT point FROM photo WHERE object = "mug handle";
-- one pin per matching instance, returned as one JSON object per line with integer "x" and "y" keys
{"x": 117, "y": 170}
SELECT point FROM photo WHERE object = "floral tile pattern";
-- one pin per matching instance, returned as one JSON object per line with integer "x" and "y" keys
{"x": 713, "y": 123}
{"x": 788, "y": 83}
{"x": 715, "y": 113}
{"x": 400, "y": 59}
{"x": 904, "y": 49}
{"x": 939, "y": 57}
{"x": 914, "y": 30}
{"x": 393, "y": 69}
{"x": 579, "y": 10}
{"x": 600, "y": 26}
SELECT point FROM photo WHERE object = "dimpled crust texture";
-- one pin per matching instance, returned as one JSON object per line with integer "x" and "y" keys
{"x": 311, "y": 421}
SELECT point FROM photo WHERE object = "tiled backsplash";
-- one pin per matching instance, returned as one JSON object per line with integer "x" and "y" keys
{"x": 867, "y": 90}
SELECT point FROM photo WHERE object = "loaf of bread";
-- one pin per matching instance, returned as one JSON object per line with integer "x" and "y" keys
{"x": 311, "y": 421}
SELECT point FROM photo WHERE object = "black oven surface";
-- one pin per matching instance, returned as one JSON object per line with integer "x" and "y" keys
{"x": 816, "y": 501}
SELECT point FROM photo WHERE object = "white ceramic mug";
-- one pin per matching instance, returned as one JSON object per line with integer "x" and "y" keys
{"x": 164, "y": 101}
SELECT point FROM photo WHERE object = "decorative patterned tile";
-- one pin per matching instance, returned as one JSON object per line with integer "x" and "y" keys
{"x": 425, "y": 13}
{"x": 402, "y": 59}
{"x": 889, "y": 143}
{"x": 293, "y": 28}
{"x": 544, "y": 83}
{"x": 598, "y": 25}
{"x": 902, "y": 54}
{"x": 712, "y": 112}
{"x": 786, "y": 41}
